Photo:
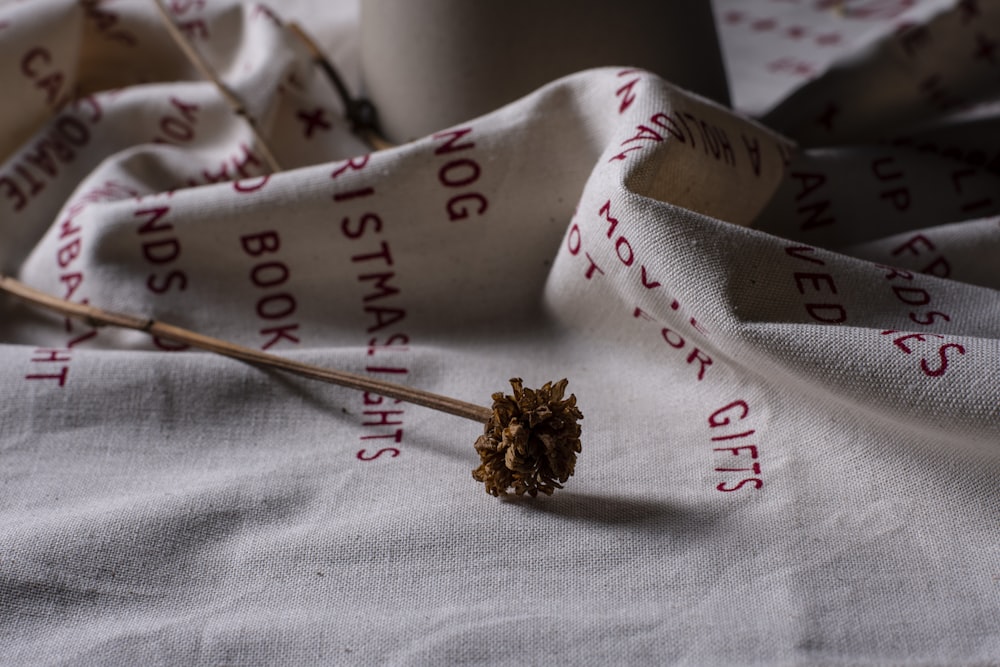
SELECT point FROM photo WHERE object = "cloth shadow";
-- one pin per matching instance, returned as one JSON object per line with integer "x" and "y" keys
{"x": 617, "y": 511}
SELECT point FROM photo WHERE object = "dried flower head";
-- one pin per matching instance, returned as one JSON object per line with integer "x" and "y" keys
{"x": 531, "y": 441}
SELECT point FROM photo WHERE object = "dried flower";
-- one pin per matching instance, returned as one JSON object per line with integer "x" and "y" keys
{"x": 531, "y": 441}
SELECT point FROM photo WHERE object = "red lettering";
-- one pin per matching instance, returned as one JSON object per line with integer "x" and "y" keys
{"x": 899, "y": 197}
{"x": 269, "y": 274}
{"x": 704, "y": 361}
{"x": 60, "y": 377}
{"x": 470, "y": 175}
{"x": 276, "y": 306}
{"x": 612, "y": 221}
{"x": 672, "y": 338}
{"x": 258, "y": 244}
{"x": 647, "y": 133}
{"x": 176, "y": 129}
{"x": 364, "y": 456}
{"x": 757, "y": 482}
{"x": 831, "y": 313}
{"x": 81, "y": 338}
{"x": 930, "y": 317}
{"x": 396, "y": 339}
{"x": 161, "y": 252}
{"x": 627, "y": 258}
{"x": 13, "y": 193}
{"x": 356, "y": 231}
{"x": 41, "y": 159}
{"x": 162, "y": 284}
{"x": 900, "y": 342}
{"x": 246, "y": 185}
{"x": 943, "y": 358}
{"x": 278, "y": 334}
{"x": 384, "y": 418}
{"x": 648, "y": 284}
{"x": 914, "y": 296}
{"x": 106, "y": 22}
{"x": 67, "y": 253}
{"x": 168, "y": 345}
{"x": 753, "y": 151}
{"x": 373, "y": 399}
{"x": 621, "y": 156}
{"x": 154, "y": 215}
{"x": 219, "y": 176}
{"x": 34, "y": 184}
{"x": 880, "y": 169}
{"x": 755, "y": 469}
{"x": 244, "y": 160}
{"x": 959, "y": 175}
{"x": 667, "y": 123}
{"x": 33, "y": 56}
{"x": 34, "y": 66}
{"x": 194, "y": 28}
{"x": 815, "y": 279}
{"x": 815, "y": 210}
{"x": 353, "y": 164}
{"x": 354, "y": 194}
{"x": 721, "y": 417}
{"x": 625, "y": 92}
{"x": 396, "y": 435}
{"x": 940, "y": 267}
{"x": 183, "y": 6}
{"x": 456, "y": 213}
{"x": 573, "y": 240}
{"x": 72, "y": 282}
{"x": 93, "y": 105}
{"x": 912, "y": 243}
{"x": 893, "y": 272}
{"x": 384, "y": 254}
{"x": 735, "y": 451}
{"x": 593, "y": 267}
{"x": 49, "y": 355}
{"x": 384, "y": 317}
{"x": 67, "y": 228}
{"x": 451, "y": 145}
{"x": 381, "y": 285}
{"x": 808, "y": 182}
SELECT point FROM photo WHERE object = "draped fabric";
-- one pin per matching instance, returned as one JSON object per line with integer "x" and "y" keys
{"x": 779, "y": 318}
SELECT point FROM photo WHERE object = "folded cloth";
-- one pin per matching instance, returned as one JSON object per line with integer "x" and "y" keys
{"x": 786, "y": 358}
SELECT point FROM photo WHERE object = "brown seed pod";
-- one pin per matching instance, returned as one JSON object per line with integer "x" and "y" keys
{"x": 531, "y": 441}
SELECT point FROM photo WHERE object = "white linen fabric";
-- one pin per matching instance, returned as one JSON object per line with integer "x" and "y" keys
{"x": 785, "y": 348}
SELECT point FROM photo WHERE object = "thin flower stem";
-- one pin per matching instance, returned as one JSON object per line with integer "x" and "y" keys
{"x": 97, "y": 317}
{"x": 208, "y": 73}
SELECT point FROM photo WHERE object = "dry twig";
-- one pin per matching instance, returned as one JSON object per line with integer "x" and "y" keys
{"x": 98, "y": 317}
{"x": 232, "y": 99}
{"x": 530, "y": 439}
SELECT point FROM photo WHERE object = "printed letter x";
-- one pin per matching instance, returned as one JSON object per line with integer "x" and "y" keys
{"x": 986, "y": 48}
{"x": 314, "y": 119}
